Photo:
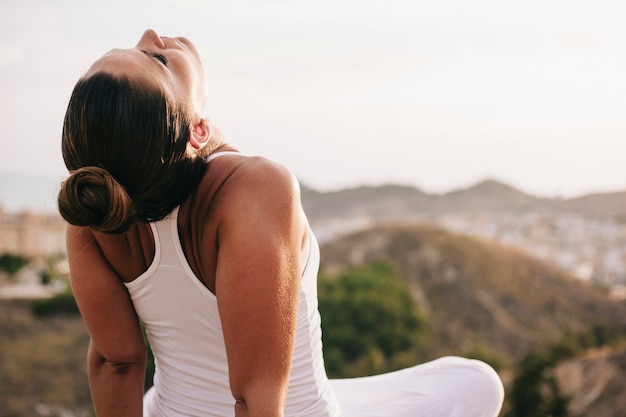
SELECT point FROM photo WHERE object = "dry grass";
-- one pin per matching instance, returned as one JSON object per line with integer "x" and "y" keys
{"x": 42, "y": 363}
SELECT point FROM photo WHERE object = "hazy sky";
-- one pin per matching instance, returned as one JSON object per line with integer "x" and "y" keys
{"x": 436, "y": 94}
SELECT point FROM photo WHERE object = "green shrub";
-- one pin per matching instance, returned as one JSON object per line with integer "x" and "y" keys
{"x": 150, "y": 367}
{"x": 535, "y": 391}
{"x": 45, "y": 277}
{"x": 370, "y": 322}
{"x": 60, "y": 304}
{"x": 11, "y": 264}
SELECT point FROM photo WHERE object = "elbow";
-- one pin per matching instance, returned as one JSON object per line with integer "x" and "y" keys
{"x": 117, "y": 370}
{"x": 123, "y": 368}
{"x": 118, "y": 364}
{"x": 243, "y": 409}
{"x": 262, "y": 400}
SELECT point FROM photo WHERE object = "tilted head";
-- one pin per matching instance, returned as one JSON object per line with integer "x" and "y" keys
{"x": 134, "y": 134}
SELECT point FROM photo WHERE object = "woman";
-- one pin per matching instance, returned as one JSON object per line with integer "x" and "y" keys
{"x": 173, "y": 229}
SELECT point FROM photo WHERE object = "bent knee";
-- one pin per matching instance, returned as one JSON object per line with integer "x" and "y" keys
{"x": 479, "y": 385}
{"x": 488, "y": 380}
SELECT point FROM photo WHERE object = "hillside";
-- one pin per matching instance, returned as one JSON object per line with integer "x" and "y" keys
{"x": 595, "y": 382}
{"x": 478, "y": 296}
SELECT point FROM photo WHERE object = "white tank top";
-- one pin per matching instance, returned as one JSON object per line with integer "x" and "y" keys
{"x": 183, "y": 325}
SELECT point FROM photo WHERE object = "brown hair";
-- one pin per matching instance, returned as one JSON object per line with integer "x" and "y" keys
{"x": 125, "y": 145}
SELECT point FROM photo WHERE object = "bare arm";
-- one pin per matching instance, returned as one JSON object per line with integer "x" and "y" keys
{"x": 117, "y": 351}
{"x": 257, "y": 286}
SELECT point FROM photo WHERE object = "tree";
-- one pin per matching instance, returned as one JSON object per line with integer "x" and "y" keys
{"x": 370, "y": 322}
{"x": 11, "y": 264}
{"x": 535, "y": 391}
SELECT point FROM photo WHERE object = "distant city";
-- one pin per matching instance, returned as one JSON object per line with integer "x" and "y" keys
{"x": 591, "y": 249}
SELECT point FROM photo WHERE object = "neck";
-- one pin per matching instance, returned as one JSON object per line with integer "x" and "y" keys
{"x": 217, "y": 142}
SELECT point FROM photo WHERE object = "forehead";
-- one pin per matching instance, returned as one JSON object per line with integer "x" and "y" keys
{"x": 131, "y": 63}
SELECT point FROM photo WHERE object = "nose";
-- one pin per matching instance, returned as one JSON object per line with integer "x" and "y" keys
{"x": 151, "y": 38}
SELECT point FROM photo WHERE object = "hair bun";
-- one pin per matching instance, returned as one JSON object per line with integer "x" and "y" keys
{"x": 90, "y": 196}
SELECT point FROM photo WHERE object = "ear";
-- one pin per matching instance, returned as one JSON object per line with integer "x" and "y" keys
{"x": 199, "y": 133}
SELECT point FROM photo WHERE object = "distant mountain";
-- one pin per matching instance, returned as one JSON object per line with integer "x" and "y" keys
{"x": 488, "y": 195}
{"x": 606, "y": 204}
{"x": 477, "y": 295}
{"x": 409, "y": 203}
{"x": 379, "y": 202}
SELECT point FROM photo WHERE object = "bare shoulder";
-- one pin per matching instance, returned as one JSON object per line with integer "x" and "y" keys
{"x": 258, "y": 170}
{"x": 259, "y": 194}
{"x": 265, "y": 173}
{"x": 259, "y": 181}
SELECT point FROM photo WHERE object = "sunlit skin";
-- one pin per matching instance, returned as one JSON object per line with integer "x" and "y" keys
{"x": 243, "y": 233}
{"x": 172, "y": 64}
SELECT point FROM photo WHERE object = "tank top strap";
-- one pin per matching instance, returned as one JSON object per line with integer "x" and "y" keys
{"x": 222, "y": 153}
{"x": 166, "y": 238}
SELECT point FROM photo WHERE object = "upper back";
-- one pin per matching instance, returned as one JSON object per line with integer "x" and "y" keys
{"x": 226, "y": 180}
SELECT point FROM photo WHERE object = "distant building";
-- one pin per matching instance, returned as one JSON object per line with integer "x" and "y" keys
{"x": 31, "y": 234}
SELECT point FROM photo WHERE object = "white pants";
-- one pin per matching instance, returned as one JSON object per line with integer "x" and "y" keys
{"x": 446, "y": 387}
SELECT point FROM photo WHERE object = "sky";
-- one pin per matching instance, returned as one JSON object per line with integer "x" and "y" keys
{"x": 435, "y": 94}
